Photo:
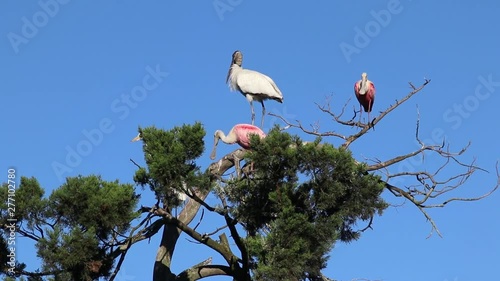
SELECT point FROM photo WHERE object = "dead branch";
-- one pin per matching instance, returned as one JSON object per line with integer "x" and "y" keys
{"x": 200, "y": 272}
{"x": 215, "y": 231}
{"x": 369, "y": 226}
{"x": 427, "y": 185}
{"x": 217, "y": 169}
{"x": 328, "y": 110}
{"x": 349, "y": 139}
{"x": 365, "y": 129}
{"x": 310, "y": 132}
{"x": 201, "y": 218}
{"x": 219, "y": 247}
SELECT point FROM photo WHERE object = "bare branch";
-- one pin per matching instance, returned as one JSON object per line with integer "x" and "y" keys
{"x": 201, "y": 218}
{"x": 310, "y": 132}
{"x": 135, "y": 163}
{"x": 120, "y": 262}
{"x": 365, "y": 129}
{"x": 200, "y": 272}
{"x": 218, "y": 247}
{"x": 470, "y": 199}
{"x": 349, "y": 139}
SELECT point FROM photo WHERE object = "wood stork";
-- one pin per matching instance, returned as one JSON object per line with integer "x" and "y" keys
{"x": 239, "y": 134}
{"x": 252, "y": 84}
{"x": 365, "y": 93}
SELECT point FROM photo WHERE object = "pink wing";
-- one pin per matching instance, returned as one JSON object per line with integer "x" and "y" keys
{"x": 243, "y": 132}
{"x": 371, "y": 96}
{"x": 356, "y": 90}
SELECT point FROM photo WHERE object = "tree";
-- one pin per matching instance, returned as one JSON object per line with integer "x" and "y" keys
{"x": 285, "y": 208}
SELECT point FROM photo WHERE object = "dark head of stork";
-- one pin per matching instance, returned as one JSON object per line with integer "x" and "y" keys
{"x": 236, "y": 59}
{"x": 363, "y": 87}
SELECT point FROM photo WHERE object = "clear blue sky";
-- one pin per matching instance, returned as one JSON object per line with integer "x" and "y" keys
{"x": 69, "y": 72}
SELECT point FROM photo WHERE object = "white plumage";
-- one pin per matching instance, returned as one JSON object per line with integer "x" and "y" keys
{"x": 252, "y": 84}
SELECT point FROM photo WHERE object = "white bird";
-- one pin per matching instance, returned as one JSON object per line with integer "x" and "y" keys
{"x": 252, "y": 84}
{"x": 138, "y": 138}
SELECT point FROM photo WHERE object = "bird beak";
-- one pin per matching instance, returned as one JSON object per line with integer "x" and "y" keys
{"x": 228, "y": 74}
{"x": 136, "y": 138}
{"x": 216, "y": 141}
{"x": 363, "y": 87}
{"x": 229, "y": 71}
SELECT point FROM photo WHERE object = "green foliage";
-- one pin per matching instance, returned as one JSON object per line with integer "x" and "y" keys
{"x": 74, "y": 226}
{"x": 76, "y": 251}
{"x": 298, "y": 201}
{"x": 90, "y": 202}
{"x": 30, "y": 206}
{"x": 4, "y": 249}
{"x": 305, "y": 197}
{"x": 170, "y": 158}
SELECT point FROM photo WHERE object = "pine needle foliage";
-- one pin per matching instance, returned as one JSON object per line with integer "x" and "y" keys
{"x": 170, "y": 157}
{"x": 301, "y": 199}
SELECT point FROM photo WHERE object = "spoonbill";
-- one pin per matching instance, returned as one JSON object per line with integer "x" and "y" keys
{"x": 365, "y": 93}
{"x": 239, "y": 134}
{"x": 252, "y": 84}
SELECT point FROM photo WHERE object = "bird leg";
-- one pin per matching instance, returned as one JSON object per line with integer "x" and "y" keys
{"x": 253, "y": 112}
{"x": 237, "y": 165}
{"x": 360, "y": 113}
{"x": 263, "y": 113}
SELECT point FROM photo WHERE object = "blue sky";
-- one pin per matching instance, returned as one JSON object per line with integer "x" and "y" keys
{"x": 67, "y": 70}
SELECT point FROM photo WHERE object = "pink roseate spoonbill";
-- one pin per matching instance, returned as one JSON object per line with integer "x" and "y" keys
{"x": 252, "y": 84}
{"x": 365, "y": 93}
{"x": 239, "y": 134}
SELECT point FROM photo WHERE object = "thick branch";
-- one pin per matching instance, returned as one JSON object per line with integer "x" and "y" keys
{"x": 230, "y": 258}
{"x": 171, "y": 235}
{"x": 204, "y": 271}
{"x": 239, "y": 242}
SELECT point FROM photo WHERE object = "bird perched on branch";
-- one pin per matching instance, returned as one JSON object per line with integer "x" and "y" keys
{"x": 137, "y": 138}
{"x": 365, "y": 93}
{"x": 239, "y": 134}
{"x": 252, "y": 84}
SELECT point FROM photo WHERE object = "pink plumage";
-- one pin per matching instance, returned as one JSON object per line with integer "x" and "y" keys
{"x": 243, "y": 133}
{"x": 239, "y": 134}
{"x": 364, "y": 90}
